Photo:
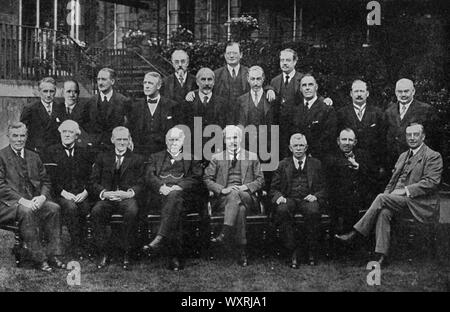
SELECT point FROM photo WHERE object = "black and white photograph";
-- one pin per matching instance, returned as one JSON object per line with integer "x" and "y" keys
{"x": 227, "y": 152}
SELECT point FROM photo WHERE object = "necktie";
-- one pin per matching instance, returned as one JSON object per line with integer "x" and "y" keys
{"x": 402, "y": 111}
{"x": 358, "y": 112}
{"x": 181, "y": 80}
{"x": 69, "y": 111}
{"x": 205, "y": 100}
{"x": 152, "y": 101}
{"x": 19, "y": 154}
{"x": 306, "y": 105}
{"x": 233, "y": 73}
{"x": 118, "y": 161}
{"x": 234, "y": 160}
{"x": 286, "y": 81}
{"x": 300, "y": 162}
{"x": 255, "y": 100}
{"x": 49, "y": 109}
{"x": 69, "y": 150}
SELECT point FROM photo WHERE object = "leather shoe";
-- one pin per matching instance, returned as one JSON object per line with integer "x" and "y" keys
{"x": 243, "y": 261}
{"x": 348, "y": 237}
{"x": 126, "y": 261}
{"x": 220, "y": 239}
{"x": 294, "y": 261}
{"x": 383, "y": 261}
{"x": 56, "y": 263}
{"x": 103, "y": 262}
{"x": 312, "y": 260}
{"x": 175, "y": 264}
{"x": 44, "y": 267}
{"x": 154, "y": 245}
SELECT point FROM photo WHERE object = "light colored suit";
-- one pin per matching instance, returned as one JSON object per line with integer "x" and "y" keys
{"x": 236, "y": 203}
{"x": 422, "y": 180}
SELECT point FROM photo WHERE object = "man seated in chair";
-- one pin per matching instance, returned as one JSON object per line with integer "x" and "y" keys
{"x": 69, "y": 169}
{"x": 298, "y": 186}
{"x": 174, "y": 178}
{"x": 234, "y": 176}
{"x": 412, "y": 188}
{"x": 25, "y": 197}
{"x": 116, "y": 181}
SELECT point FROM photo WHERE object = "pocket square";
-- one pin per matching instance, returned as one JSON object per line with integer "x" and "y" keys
{"x": 169, "y": 117}
{"x": 315, "y": 122}
{"x": 57, "y": 119}
{"x": 372, "y": 125}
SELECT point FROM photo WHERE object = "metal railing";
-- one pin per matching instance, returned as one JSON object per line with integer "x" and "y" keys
{"x": 30, "y": 53}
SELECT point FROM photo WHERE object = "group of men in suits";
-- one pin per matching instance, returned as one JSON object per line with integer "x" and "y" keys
{"x": 351, "y": 143}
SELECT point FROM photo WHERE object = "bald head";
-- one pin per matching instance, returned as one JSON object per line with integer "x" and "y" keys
{"x": 404, "y": 90}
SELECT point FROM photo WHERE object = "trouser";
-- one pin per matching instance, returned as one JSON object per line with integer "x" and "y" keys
{"x": 172, "y": 209}
{"x": 74, "y": 216}
{"x": 101, "y": 215}
{"x": 284, "y": 217}
{"x": 234, "y": 206}
{"x": 34, "y": 225}
{"x": 380, "y": 214}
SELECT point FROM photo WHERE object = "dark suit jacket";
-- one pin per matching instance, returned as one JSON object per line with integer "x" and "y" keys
{"x": 422, "y": 180}
{"x": 370, "y": 131}
{"x": 216, "y": 112}
{"x": 278, "y": 81}
{"x": 171, "y": 84}
{"x": 282, "y": 179}
{"x": 70, "y": 174}
{"x": 245, "y": 103}
{"x": 222, "y": 87}
{"x": 131, "y": 173}
{"x": 318, "y": 124}
{"x": 396, "y": 129}
{"x": 101, "y": 124}
{"x": 12, "y": 177}
{"x": 42, "y": 128}
{"x": 148, "y": 138}
{"x": 192, "y": 172}
{"x": 347, "y": 185}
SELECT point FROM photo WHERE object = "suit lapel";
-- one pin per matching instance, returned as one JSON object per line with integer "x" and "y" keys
{"x": 244, "y": 164}
{"x": 416, "y": 159}
{"x": 111, "y": 102}
{"x": 288, "y": 171}
{"x": 126, "y": 162}
{"x": 225, "y": 168}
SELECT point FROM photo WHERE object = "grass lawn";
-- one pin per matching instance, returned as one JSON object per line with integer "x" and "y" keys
{"x": 270, "y": 274}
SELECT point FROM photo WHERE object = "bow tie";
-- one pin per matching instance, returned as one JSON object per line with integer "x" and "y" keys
{"x": 151, "y": 101}
{"x": 349, "y": 155}
{"x": 68, "y": 148}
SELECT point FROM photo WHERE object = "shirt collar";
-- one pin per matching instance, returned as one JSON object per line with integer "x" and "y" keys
{"x": 310, "y": 102}
{"x": 70, "y": 146}
{"x": 184, "y": 76}
{"x": 46, "y": 104}
{"x": 414, "y": 151}
{"x": 22, "y": 152}
{"x": 156, "y": 98}
{"x": 238, "y": 152}
{"x": 291, "y": 75}
{"x": 407, "y": 105}
{"x": 236, "y": 69}
{"x": 120, "y": 154}
{"x": 296, "y": 161}
{"x": 108, "y": 95}
{"x": 202, "y": 96}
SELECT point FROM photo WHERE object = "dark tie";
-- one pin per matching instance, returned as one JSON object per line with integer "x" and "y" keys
{"x": 18, "y": 153}
{"x": 181, "y": 80}
{"x": 68, "y": 149}
{"x": 152, "y": 101}
{"x": 233, "y": 73}
{"x": 49, "y": 109}
{"x": 118, "y": 161}
{"x": 205, "y": 100}
{"x": 69, "y": 111}
{"x": 234, "y": 160}
{"x": 286, "y": 82}
{"x": 306, "y": 105}
{"x": 300, "y": 162}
